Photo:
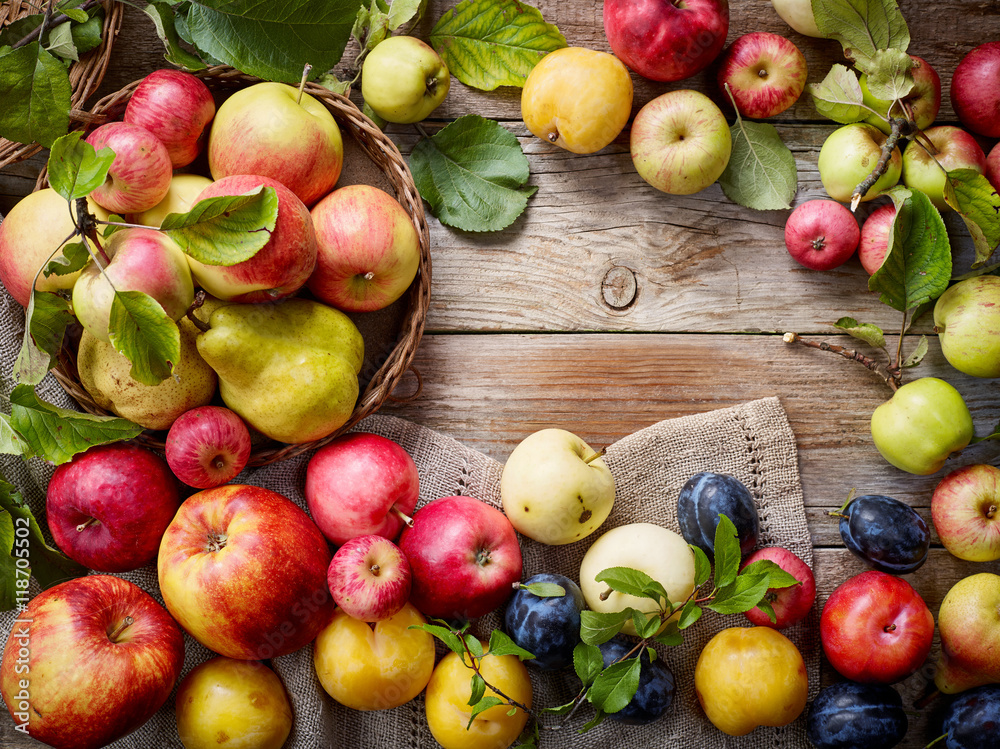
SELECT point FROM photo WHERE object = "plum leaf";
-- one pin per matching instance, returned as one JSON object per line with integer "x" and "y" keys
{"x": 545, "y": 590}
{"x": 615, "y": 686}
{"x": 46, "y": 319}
{"x": 645, "y": 624}
{"x": 671, "y": 636}
{"x": 838, "y": 96}
{"x": 76, "y": 168}
{"x": 863, "y": 331}
{"x": 478, "y": 689}
{"x": 597, "y": 628}
{"x": 978, "y": 203}
{"x": 140, "y": 330}
{"x": 889, "y": 77}
{"x": 743, "y": 594}
{"x": 35, "y": 91}
{"x": 702, "y": 567}
{"x": 587, "y": 662}
{"x": 778, "y": 578}
{"x": 727, "y": 552}
{"x": 501, "y": 644}
{"x": 444, "y": 634}
{"x": 862, "y": 27}
{"x": 768, "y": 609}
{"x": 761, "y": 171}
{"x": 631, "y": 582}
{"x": 483, "y": 705}
{"x": 689, "y": 615}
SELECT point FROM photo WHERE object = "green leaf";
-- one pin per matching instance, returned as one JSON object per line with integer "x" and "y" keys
{"x": 593, "y": 722}
{"x": 727, "y": 552}
{"x": 629, "y": 581}
{"x": 917, "y": 267}
{"x": 646, "y": 625}
{"x": 491, "y": 43}
{"x": 545, "y": 590}
{"x": 60, "y": 43}
{"x": 777, "y": 577}
{"x": 917, "y": 355}
{"x": 35, "y": 91}
{"x": 743, "y": 594}
{"x": 702, "y": 567}
{"x": 478, "y": 689}
{"x": 890, "y": 78}
{"x": 451, "y": 640}
{"x": 273, "y": 41}
{"x": 88, "y": 34}
{"x": 977, "y": 202}
{"x": 225, "y": 230}
{"x": 472, "y": 174}
{"x": 501, "y": 644}
{"x": 689, "y": 615}
{"x": 11, "y": 443}
{"x": 371, "y": 25}
{"x": 838, "y": 96}
{"x": 404, "y": 11}
{"x": 484, "y": 704}
{"x": 615, "y": 686}
{"x": 993, "y": 435}
{"x": 761, "y": 170}
{"x": 768, "y": 609}
{"x": 142, "y": 332}
{"x": 75, "y": 14}
{"x": 162, "y": 16}
{"x": 474, "y": 645}
{"x": 73, "y": 257}
{"x": 863, "y": 331}
{"x": 558, "y": 709}
{"x": 332, "y": 83}
{"x": 8, "y": 566}
{"x": 48, "y": 565}
{"x": 671, "y": 636}
{"x": 862, "y": 27}
{"x": 15, "y": 31}
{"x": 597, "y": 628}
{"x": 75, "y": 168}
{"x": 46, "y": 320}
{"x": 57, "y": 434}
{"x": 587, "y": 662}
{"x": 651, "y": 653}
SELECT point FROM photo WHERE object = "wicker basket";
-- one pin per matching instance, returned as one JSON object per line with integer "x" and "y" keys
{"x": 85, "y": 75}
{"x": 384, "y": 154}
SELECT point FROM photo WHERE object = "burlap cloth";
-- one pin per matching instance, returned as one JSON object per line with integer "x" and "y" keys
{"x": 752, "y": 442}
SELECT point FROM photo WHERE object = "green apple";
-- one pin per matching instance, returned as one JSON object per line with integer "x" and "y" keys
{"x": 849, "y": 155}
{"x": 923, "y": 101}
{"x": 956, "y": 149}
{"x": 403, "y": 79}
{"x": 555, "y": 489}
{"x": 967, "y": 320}
{"x": 923, "y": 423}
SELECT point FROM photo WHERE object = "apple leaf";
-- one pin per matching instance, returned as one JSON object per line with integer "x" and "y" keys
{"x": 727, "y": 552}
{"x": 87, "y": 34}
{"x": 764, "y": 606}
{"x": 60, "y": 43}
{"x": 142, "y": 332}
{"x": 162, "y": 15}
{"x": 46, "y": 318}
{"x": 501, "y": 644}
{"x": 274, "y": 41}
{"x": 862, "y": 27}
{"x": 702, "y": 567}
{"x": 742, "y": 594}
{"x": 472, "y": 174}
{"x": 76, "y": 169}
{"x": 761, "y": 171}
{"x": 545, "y": 590}
{"x": 777, "y": 577}
{"x": 917, "y": 355}
{"x": 889, "y": 77}
{"x": 839, "y": 97}
{"x": 35, "y": 91}
{"x": 57, "y": 434}
{"x": 993, "y": 435}
{"x": 917, "y": 267}
{"x": 491, "y": 43}
{"x": 227, "y": 229}
{"x": 615, "y": 686}
{"x": 863, "y": 331}
{"x": 597, "y": 628}
{"x": 404, "y": 11}
{"x": 977, "y": 202}
{"x": 689, "y": 615}
{"x": 371, "y": 25}
{"x": 8, "y": 565}
{"x": 587, "y": 662}
{"x": 11, "y": 443}
{"x": 73, "y": 257}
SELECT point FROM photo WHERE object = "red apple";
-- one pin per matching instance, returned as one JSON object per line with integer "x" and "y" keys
{"x": 821, "y": 234}
{"x": 368, "y": 249}
{"x": 874, "y": 243}
{"x": 965, "y": 508}
{"x": 464, "y": 557}
{"x": 108, "y": 507}
{"x": 993, "y": 167}
{"x": 876, "y": 628}
{"x": 975, "y": 90}
{"x": 369, "y": 578}
{"x": 140, "y": 174}
{"x": 923, "y": 101}
{"x": 765, "y": 73}
{"x": 176, "y": 107}
{"x": 361, "y": 484}
{"x": 281, "y": 267}
{"x": 666, "y": 41}
{"x": 791, "y": 605}
{"x": 207, "y": 446}
{"x": 243, "y": 570}
{"x": 89, "y": 661}
{"x": 956, "y": 149}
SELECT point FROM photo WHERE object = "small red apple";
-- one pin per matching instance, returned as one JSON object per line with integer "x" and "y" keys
{"x": 965, "y": 508}
{"x": 464, "y": 556}
{"x": 791, "y": 605}
{"x": 874, "y": 244}
{"x": 207, "y": 446}
{"x": 765, "y": 72}
{"x": 975, "y": 90}
{"x": 140, "y": 174}
{"x": 821, "y": 234}
{"x": 369, "y": 578}
{"x": 993, "y": 167}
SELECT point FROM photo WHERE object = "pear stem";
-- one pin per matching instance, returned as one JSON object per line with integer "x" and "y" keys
{"x": 199, "y": 300}
{"x": 302, "y": 84}
{"x": 595, "y": 456}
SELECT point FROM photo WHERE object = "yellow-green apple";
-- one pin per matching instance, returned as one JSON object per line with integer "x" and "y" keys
{"x": 765, "y": 73}
{"x": 792, "y": 604}
{"x": 109, "y": 506}
{"x": 750, "y": 676}
{"x": 207, "y": 446}
{"x": 555, "y": 488}
{"x": 579, "y": 99}
{"x": 653, "y": 549}
{"x": 967, "y": 320}
{"x": 924, "y": 422}
{"x": 281, "y": 267}
{"x": 243, "y": 570}
{"x": 923, "y": 101}
{"x": 361, "y": 484}
{"x": 403, "y": 79}
{"x": 680, "y": 142}
{"x": 139, "y": 176}
{"x": 821, "y": 234}
{"x": 969, "y": 625}
{"x": 875, "y": 628}
{"x": 956, "y": 149}
{"x": 849, "y": 155}
{"x": 799, "y": 15}
{"x": 993, "y": 167}
{"x": 181, "y": 196}
{"x": 31, "y": 233}
{"x": 874, "y": 244}
{"x": 374, "y": 667}
{"x": 273, "y": 130}
{"x": 965, "y": 508}
{"x": 975, "y": 90}
{"x": 89, "y": 661}
{"x": 449, "y": 692}
{"x": 137, "y": 260}
{"x": 369, "y": 578}
{"x": 231, "y": 703}
{"x": 176, "y": 107}
{"x": 666, "y": 41}
{"x": 368, "y": 251}
{"x": 464, "y": 557}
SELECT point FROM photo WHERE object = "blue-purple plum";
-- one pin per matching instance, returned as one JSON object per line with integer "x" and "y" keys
{"x": 707, "y": 495}
{"x": 848, "y": 715}
{"x": 886, "y": 533}
{"x": 656, "y": 685}
{"x": 547, "y": 627}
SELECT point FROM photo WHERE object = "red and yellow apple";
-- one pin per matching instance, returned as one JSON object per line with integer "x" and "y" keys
{"x": 139, "y": 176}
{"x": 923, "y": 101}
{"x": 765, "y": 73}
{"x": 956, "y": 149}
{"x": 965, "y": 508}
{"x": 181, "y": 196}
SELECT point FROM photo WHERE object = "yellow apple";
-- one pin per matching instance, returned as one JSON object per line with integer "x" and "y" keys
{"x": 182, "y": 194}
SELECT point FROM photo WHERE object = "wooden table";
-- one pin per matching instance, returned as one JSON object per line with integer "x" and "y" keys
{"x": 539, "y": 325}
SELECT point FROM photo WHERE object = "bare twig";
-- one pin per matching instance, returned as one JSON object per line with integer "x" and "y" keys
{"x": 890, "y": 375}
{"x": 900, "y": 128}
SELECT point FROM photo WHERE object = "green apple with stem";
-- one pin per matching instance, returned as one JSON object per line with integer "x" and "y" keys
{"x": 849, "y": 155}
{"x": 403, "y": 79}
{"x": 967, "y": 320}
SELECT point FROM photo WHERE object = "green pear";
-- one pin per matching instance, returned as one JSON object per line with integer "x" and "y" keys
{"x": 104, "y": 373}
{"x": 289, "y": 369}
{"x": 969, "y": 623}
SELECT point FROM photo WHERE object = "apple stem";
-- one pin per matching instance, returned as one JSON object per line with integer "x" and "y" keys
{"x": 900, "y": 128}
{"x": 302, "y": 84}
{"x": 375, "y": 569}
{"x": 595, "y": 456}
{"x": 890, "y": 377}
{"x": 407, "y": 520}
{"x": 991, "y": 513}
{"x": 86, "y": 524}
{"x": 127, "y": 622}
{"x": 369, "y": 276}
{"x": 606, "y": 594}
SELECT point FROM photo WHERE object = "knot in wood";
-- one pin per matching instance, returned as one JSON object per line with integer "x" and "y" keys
{"x": 619, "y": 287}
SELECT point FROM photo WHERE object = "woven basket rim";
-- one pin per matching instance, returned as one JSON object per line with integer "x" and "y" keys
{"x": 384, "y": 153}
